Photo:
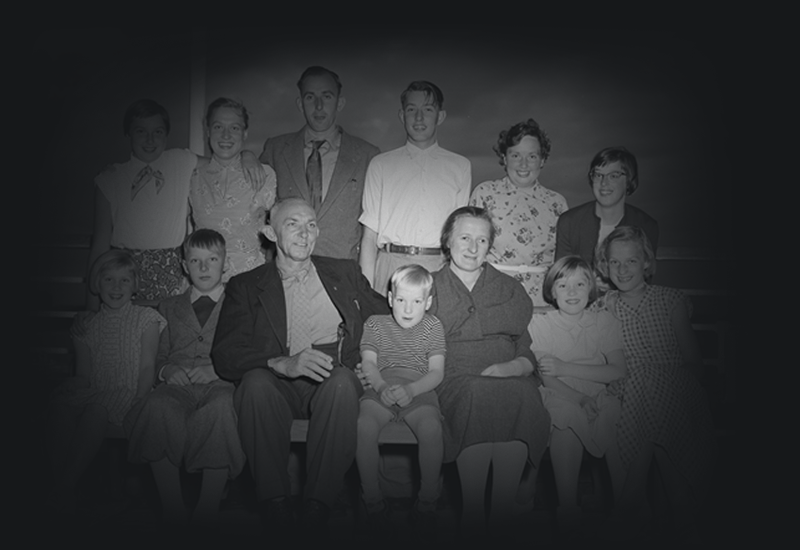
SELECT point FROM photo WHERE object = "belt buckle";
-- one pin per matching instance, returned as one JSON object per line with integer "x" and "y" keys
{"x": 413, "y": 250}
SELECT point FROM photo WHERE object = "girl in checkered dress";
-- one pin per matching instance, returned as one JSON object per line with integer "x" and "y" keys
{"x": 665, "y": 414}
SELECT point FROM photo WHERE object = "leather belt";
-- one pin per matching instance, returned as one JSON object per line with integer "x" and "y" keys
{"x": 413, "y": 250}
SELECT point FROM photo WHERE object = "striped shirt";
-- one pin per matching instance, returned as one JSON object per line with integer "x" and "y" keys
{"x": 408, "y": 348}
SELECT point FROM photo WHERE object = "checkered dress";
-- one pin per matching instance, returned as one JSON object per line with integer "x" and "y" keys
{"x": 662, "y": 402}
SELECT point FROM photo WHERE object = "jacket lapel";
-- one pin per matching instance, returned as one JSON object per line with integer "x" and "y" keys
{"x": 342, "y": 172}
{"x": 274, "y": 303}
{"x": 184, "y": 312}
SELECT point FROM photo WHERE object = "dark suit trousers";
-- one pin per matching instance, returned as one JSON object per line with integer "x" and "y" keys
{"x": 266, "y": 405}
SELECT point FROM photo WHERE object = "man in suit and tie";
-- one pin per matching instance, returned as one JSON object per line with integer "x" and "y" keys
{"x": 323, "y": 165}
{"x": 289, "y": 335}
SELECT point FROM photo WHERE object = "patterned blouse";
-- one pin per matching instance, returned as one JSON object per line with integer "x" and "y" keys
{"x": 223, "y": 200}
{"x": 526, "y": 229}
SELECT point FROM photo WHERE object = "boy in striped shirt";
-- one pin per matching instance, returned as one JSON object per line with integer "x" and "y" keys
{"x": 402, "y": 356}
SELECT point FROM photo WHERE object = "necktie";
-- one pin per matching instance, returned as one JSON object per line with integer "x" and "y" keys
{"x": 314, "y": 174}
{"x": 143, "y": 178}
{"x": 203, "y": 307}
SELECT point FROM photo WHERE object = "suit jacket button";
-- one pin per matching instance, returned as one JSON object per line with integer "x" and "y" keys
{"x": 199, "y": 338}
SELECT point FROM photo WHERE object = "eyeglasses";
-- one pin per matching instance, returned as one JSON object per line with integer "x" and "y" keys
{"x": 613, "y": 177}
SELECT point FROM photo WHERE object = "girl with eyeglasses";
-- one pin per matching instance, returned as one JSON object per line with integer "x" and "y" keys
{"x": 613, "y": 176}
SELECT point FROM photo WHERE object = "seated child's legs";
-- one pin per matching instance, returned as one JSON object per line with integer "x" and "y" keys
{"x": 426, "y": 423}
{"x": 212, "y": 434}
{"x": 372, "y": 417}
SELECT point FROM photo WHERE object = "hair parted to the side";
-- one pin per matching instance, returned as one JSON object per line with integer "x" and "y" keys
{"x": 464, "y": 211}
{"x": 412, "y": 275}
{"x": 512, "y": 136}
{"x": 143, "y": 108}
{"x": 207, "y": 239}
{"x": 116, "y": 258}
{"x": 625, "y": 158}
{"x": 220, "y": 102}
{"x": 565, "y": 267}
{"x": 430, "y": 89}
{"x": 626, "y": 233}
{"x": 317, "y": 70}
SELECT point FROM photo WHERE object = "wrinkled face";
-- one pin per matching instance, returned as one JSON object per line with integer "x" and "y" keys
{"x": 626, "y": 265}
{"x": 572, "y": 293}
{"x": 226, "y": 133}
{"x": 420, "y": 117}
{"x": 205, "y": 267}
{"x": 524, "y": 162}
{"x": 609, "y": 184}
{"x": 319, "y": 102}
{"x": 148, "y": 138}
{"x": 409, "y": 304}
{"x": 469, "y": 244}
{"x": 116, "y": 287}
{"x": 294, "y": 231}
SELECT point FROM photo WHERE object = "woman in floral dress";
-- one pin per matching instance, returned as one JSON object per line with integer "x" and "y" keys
{"x": 524, "y": 212}
{"x": 220, "y": 197}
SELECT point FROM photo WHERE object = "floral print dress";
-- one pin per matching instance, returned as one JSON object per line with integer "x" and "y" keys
{"x": 526, "y": 230}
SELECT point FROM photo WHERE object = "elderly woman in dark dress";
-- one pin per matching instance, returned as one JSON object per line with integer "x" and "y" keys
{"x": 493, "y": 414}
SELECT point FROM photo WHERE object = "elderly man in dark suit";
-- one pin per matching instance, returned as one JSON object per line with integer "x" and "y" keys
{"x": 289, "y": 335}
{"x": 323, "y": 165}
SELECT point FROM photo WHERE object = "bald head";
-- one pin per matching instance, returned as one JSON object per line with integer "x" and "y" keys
{"x": 293, "y": 228}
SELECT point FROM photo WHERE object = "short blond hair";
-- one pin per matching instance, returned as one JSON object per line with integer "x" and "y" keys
{"x": 413, "y": 275}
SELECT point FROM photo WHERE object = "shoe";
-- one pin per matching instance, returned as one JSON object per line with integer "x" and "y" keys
{"x": 378, "y": 518}
{"x": 424, "y": 520}
{"x": 315, "y": 518}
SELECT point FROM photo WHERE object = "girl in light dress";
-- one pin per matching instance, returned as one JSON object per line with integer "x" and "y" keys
{"x": 115, "y": 360}
{"x": 579, "y": 352}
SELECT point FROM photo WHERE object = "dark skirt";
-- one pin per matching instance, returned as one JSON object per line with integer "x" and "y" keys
{"x": 485, "y": 409}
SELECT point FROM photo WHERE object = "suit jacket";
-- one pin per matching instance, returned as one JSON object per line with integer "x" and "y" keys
{"x": 340, "y": 231}
{"x": 183, "y": 341}
{"x": 252, "y": 325}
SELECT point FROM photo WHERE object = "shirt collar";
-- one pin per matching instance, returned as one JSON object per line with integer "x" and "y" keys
{"x": 415, "y": 151}
{"x": 139, "y": 163}
{"x": 214, "y": 294}
{"x": 333, "y": 138}
{"x": 234, "y": 164}
{"x": 297, "y": 275}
